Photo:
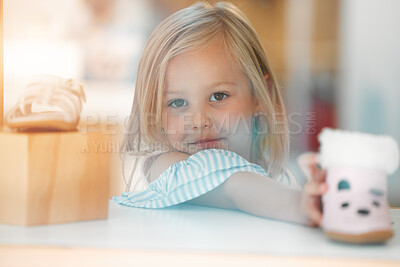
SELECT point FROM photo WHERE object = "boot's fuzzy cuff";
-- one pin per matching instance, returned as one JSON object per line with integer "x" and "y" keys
{"x": 354, "y": 149}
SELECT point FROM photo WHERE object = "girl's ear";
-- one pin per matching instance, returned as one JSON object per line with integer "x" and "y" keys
{"x": 270, "y": 84}
{"x": 269, "y": 81}
{"x": 257, "y": 108}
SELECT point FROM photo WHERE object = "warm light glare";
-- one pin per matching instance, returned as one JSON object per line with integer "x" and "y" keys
{"x": 24, "y": 59}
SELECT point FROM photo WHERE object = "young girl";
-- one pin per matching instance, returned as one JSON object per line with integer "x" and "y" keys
{"x": 205, "y": 93}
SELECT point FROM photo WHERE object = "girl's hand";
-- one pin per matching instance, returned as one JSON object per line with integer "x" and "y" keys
{"x": 314, "y": 188}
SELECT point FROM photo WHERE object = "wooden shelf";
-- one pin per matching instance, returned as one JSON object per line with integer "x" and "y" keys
{"x": 53, "y": 177}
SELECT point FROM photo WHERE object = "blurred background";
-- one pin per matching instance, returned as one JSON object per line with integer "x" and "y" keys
{"x": 338, "y": 62}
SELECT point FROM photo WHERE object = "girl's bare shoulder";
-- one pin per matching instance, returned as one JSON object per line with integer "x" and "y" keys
{"x": 164, "y": 161}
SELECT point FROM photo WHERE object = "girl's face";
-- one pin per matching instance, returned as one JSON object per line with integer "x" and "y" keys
{"x": 207, "y": 103}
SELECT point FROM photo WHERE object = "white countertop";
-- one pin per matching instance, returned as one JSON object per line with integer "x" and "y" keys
{"x": 191, "y": 228}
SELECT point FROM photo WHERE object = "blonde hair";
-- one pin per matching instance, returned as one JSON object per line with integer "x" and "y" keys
{"x": 195, "y": 27}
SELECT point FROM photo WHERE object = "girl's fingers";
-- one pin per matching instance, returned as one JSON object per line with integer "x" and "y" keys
{"x": 312, "y": 201}
{"x": 318, "y": 175}
{"x": 315, "y": 189}
{"x": 313, "y": 210}
{"x": 306, "y": 161}
{"x": 314, "y": 214}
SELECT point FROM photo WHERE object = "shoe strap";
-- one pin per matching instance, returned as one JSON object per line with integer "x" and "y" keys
{"x": 51, "y": 91}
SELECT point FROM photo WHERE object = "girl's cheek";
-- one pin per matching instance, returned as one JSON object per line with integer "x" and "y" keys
{"x": 173, "y": 127}
{"x": 233, "y": 123}
{"x": 171, "y": 123}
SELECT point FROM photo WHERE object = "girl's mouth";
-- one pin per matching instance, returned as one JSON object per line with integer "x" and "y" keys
{"x": 208, "y": 143}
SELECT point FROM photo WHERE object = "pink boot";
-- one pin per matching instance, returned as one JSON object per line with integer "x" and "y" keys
{"x": 355, "y": 208}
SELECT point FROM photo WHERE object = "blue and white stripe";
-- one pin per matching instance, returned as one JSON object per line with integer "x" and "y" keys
{"x": 190, "y": 178}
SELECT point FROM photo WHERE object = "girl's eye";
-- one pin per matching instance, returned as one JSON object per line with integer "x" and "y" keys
{"x": 218, "y": 97}
{"x": 178, "y": 103}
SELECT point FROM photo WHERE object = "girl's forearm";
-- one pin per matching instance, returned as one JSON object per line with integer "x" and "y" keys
{"x": 257, "y": 195}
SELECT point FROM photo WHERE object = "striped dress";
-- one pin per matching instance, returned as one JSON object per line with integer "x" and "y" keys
{"x": 190, "y": 178}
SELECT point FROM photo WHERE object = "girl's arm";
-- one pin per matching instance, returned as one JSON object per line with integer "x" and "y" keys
{"x": 217, "y": 197}
{"x": 254, "y": 194}
{"x": 164, "y": 161}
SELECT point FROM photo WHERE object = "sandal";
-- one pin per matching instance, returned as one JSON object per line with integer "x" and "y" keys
{"x": 48, "y": 103}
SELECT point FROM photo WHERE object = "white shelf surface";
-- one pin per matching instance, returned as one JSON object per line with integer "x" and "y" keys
{"x": 192, "y": 228}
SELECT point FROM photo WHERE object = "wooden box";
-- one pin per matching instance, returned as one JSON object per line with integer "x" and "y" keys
{"x": 53, "y": 177}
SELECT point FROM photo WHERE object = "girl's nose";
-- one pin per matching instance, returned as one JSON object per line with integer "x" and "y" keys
{"x": 202, "y": 120}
